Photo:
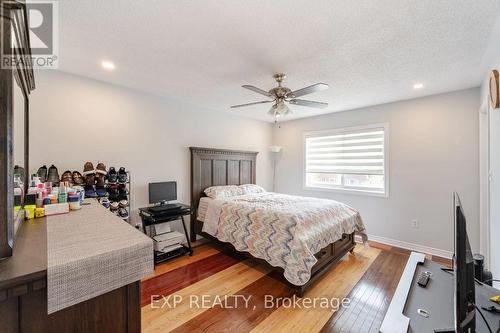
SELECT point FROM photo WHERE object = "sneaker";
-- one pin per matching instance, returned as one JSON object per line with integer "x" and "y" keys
{"x": 112, "y": 175}
{"x": 113, "y": 193}
{"x": 114, "y": 205}
{"x": 53, "y": 175}
{"x": 77, "y": 178}
{"x": 123, "y": 213}
{"x": 42, "y": 173}
{"x": 105, "y": 203}
{"x": 122, "y": 193}
{"x": 122, "y": 175}
{"x": 123, "y": 203}
{"x": 90, "y": 192}
{"x": 101, "y": 191}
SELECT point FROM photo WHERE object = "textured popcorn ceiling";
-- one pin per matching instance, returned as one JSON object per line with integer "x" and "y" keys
{"x": 370, "y": 52}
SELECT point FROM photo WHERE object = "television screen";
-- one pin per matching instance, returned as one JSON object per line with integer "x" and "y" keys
{"x": 162, "y": 192}
{"x": 464, "y": 274}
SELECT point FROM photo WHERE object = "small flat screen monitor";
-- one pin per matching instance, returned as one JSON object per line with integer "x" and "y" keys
{"x": 162, "y": 192}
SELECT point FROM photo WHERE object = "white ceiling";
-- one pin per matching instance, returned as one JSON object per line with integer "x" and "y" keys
{"x": 370, "y": 52}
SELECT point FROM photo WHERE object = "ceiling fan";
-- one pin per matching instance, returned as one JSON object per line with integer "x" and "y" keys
{"x": 281, "y": 95}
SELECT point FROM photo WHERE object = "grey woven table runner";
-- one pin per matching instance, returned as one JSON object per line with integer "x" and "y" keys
{"x": 92, "y": 252}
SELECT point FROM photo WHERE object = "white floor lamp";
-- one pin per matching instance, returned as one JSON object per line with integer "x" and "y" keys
{"x": 275, "y": 150}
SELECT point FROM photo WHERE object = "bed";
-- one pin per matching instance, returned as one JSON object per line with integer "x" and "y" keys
{"x": 303, "y": 237}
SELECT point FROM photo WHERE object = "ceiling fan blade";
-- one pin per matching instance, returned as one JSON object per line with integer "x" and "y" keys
{"x": 312, "y": 104}
{"x": 257, "y": 90}
{"x": 308, "y": 90}
{"x": 247, "y": 104}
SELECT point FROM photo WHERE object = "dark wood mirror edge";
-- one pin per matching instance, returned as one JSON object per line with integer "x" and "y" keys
{"x": 12, "y": 12}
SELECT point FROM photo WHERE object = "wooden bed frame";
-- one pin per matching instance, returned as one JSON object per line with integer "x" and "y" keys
{"x": 211, "y": 167}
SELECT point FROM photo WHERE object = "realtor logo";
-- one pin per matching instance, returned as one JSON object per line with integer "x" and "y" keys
{"x": 43, "y": 27}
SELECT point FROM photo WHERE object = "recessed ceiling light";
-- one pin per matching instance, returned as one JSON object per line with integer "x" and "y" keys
{"x": 418, "y": 86}
{"x": 108, "y": 65}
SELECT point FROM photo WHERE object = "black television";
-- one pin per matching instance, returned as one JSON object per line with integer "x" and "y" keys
{"x": 160, "y": 193}
{"x": 463, "y": 266}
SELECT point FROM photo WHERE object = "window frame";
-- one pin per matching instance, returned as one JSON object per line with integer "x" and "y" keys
{"x": 342, "y": 188}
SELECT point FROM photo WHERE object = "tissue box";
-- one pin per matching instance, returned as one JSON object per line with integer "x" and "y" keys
{"x": 54, "y": 209}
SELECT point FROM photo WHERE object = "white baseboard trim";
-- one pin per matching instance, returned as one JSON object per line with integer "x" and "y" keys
{"x": 410, "y": 246}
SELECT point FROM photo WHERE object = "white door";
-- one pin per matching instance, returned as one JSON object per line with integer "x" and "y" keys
{"x": 494, "y": 192}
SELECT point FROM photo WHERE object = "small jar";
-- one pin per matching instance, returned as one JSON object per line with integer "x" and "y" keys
{"x": 74, "y": 202}
{"x": 53, "y": 198}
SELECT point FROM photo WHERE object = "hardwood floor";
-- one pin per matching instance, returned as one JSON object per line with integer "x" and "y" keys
{"x": 219, "y": 292}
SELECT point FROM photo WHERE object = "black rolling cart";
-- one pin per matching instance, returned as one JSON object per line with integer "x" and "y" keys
{"x": 150, "y": 218}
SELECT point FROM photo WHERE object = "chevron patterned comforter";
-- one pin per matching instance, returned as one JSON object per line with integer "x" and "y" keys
{"x": 284, "y": 230}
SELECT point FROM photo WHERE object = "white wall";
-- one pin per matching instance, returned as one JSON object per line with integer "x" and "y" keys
{"x": 74, "y": 120}
{"x": 433, "y": 151}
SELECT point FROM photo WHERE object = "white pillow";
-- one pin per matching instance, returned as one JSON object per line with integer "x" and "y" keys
{"x": 251, "y": 188}
{"x": 220, "y": 192}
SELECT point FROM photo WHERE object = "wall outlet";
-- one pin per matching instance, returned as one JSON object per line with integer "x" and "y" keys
{"x": 414, "y": 224}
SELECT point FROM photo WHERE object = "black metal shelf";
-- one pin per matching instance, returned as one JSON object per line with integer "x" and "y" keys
{"x": 151, "y": 218}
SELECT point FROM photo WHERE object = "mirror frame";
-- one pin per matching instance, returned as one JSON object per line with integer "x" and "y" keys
{"x": 12, "y": 14}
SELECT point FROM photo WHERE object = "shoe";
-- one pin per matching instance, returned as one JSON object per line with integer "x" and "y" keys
{"x": 101, "y": 191}
{"x": 122, "y": 193}
{"x": 114, "y": 205}
{"x": 42, "y": 173}
{"x": 88, "y": 169}
{"x": 53, "y": 175}
{"x": 90, "y": 192}
{"x": 89, "y": 174}
{"x": 123, "y": 213}
{"x": 100, "y": 174}
{"x": 113, "y": 193}
{"x": 123, "y": 203}
{"x": 67, "y": 176}
{"x": 112, "y": 175}
{"x": 19, "y": 171}
{"x": 105, "y": 203}
{"x": 122, "y": 175}
{"x": 77, "y": 178}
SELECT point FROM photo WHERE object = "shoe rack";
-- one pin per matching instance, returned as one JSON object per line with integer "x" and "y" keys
{"x": 128, "y": 189}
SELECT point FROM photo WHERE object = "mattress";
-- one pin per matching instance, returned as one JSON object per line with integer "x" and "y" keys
{"x": 284, "y": 230}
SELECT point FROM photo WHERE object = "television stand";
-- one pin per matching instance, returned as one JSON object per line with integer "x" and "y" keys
{"x": 150, "y": 218}
{"x": 437, "y": 299}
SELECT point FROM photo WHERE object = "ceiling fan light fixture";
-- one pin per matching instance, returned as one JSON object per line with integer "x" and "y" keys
{"x": 279, "y": 109}
{"x": 282, "y": 109}
{"x": 280, "y": 94}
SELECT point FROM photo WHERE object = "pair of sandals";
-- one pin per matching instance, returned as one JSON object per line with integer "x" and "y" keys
{"x": 74, "y": 177}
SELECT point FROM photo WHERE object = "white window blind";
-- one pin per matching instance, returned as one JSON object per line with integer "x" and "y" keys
{"x": 353, "y": 158}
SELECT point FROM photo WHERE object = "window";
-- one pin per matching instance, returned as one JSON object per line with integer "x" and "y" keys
{"x": 348, "y": 159}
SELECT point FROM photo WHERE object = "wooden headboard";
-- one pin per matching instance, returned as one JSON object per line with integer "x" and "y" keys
{"x": 210, "y": 167}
